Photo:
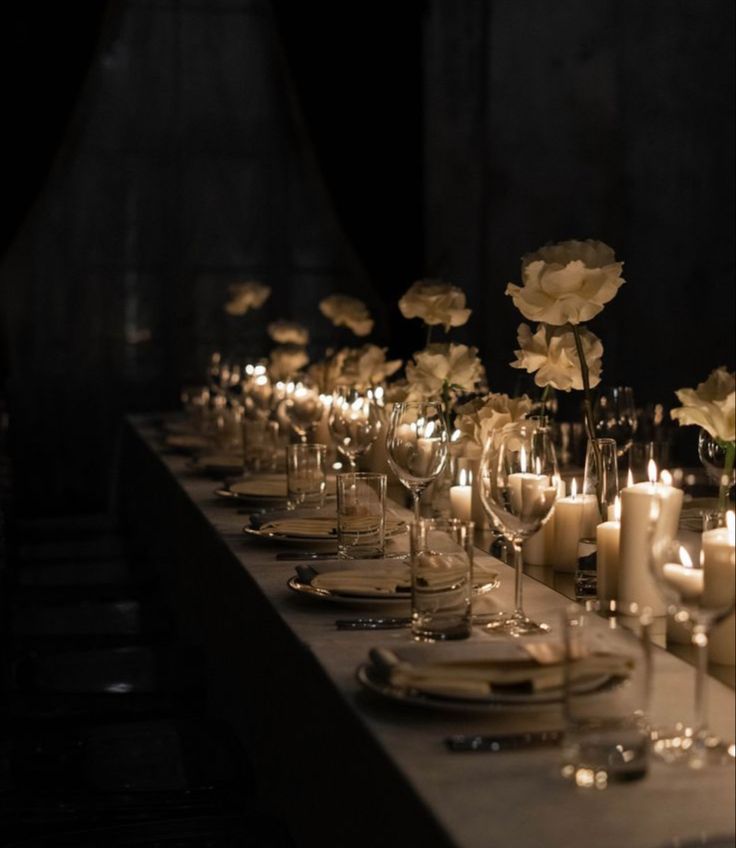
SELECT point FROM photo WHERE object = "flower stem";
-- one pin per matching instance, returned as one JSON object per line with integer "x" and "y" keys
{"x": 589, "y": 422}
{"x": 545, "y": 398}
{"x": 730, "y": 449}
{"x": 429, "y": 334}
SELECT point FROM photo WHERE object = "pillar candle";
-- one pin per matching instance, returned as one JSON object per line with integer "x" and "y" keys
{"x": 576, "y": 518}
{"x": 608, "y": 537}
{"x": 461, "y": 498}
{"x": 719, "y": 574}
{"x": 539, "y": 550}
{"x": 636, "y": 583}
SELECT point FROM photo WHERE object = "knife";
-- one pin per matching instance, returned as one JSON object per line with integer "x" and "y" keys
{"x": 371, "y": 623}
{"x": 505, "y": 741}
{"x": 298, "y": 556}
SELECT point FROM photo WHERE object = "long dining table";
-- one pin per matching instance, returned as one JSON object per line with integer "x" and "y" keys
{"x": 344, "y": 766}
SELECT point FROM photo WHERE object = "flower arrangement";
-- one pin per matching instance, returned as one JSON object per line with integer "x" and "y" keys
{"x": 246, "y": 296}
{"x": 435, "y": 303}
{"x": 346, "y": 311}
{"x": 478, "y": 419}
{"x": 288, "y": 332}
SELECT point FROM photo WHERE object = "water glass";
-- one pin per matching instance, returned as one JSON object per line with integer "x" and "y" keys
{"x": 441, "y": 578}
{"x": 361, "y": 515}
{"x": 306, "y": 475}
{"x": 607, "y": 672}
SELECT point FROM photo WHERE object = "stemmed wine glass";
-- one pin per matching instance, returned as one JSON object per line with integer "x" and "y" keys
{"x": 518, "y": 488}
{"x": 417, "y": 445}
{"x": 699, "y": 593}
{"x": 354, "y": 423}
{"x": 615, "y": 416}
{"x": 303, "y": 405}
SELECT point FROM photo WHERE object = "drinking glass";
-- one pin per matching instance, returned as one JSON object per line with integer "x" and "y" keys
{"x": 354, "y": 422}
{"x": 699, "y": 592}
{"x": 361, "y": 515}
{"x": 417, "y": 445}
{"x": 306, "y": 475}
{"x": 518, "y": 476}
{"x": 615, "y": 416}
{"x": 302, "y": 405}
{"x": 441, "y": 578}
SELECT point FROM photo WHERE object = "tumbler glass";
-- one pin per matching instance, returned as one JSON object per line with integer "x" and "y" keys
{"x": 361, "y": 515}
{"x": 306, "y": 476}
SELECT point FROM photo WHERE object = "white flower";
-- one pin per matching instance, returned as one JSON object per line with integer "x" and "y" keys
{"x": 552, "y": 354}
{"x": 435, "y": 303}
{"x": 346, "y": 311}
{"x": 367, "y": 366}
{"x": 568, "y": 282}
{"x": 711, "y": 406}
{"x": 286, "y": 361}
{"x": 288, "y": 332}
{"x": 480, "y": 417}
{"x": 455, "y": 366}
{"x": 245, "y": 296}
{"x": 327, "y": 373}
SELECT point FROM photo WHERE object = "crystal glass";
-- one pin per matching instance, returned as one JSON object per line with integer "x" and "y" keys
{"x": 614, "y": 415}
{"x": 518, "y": 475}
{"x": 361, "y": 515}
{"x": 600, "y": 479}
{"x": 718, "y": 460}
{"x": 699, "y": 590}
{"x": 302, "y": 405}
{"x": 441, "y": 578}
{"x": 306, "y": 475}
{"x": 354, "y": 422}
{"x": 417, "y": 445}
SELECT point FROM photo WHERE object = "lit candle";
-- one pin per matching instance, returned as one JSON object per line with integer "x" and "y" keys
{"x": 608, "y": 536}
{"x": 686, "y": 580}
{"x": 539, "y": 550}
{"x": 718, "y": 553}
{"x": 576, "y": 518}
{"x": 461, "y": 496}
{"x": 636, "y": 583}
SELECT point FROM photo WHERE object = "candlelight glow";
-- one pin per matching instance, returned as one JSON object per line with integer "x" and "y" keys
{"x": 522, "y": 459}
{"x": 455, "y": 435}
{"x": 666, "y": 478}
{"x": 652, "y": 471}
{"x": 463, "y": 477}
{"x": 630, "y": 479}
{"x": 617, "y": 509}
{"x": 574, "y": 488}
{"x": 685, "y": 557}
{"x": 731, "y": 526}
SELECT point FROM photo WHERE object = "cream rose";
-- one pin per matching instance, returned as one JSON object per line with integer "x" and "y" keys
{"x": 246, "y": 296}
{"x": 569, "y": 282}
{"x": 288, "y": 332}
{"x": 480, "y": 417}
{"x": 346, "y": 311}
{"x": 286, "y": 361}
{"x": 367, "y": 366}
{"x": 435, "y": 303}
{"x": 551, "y": 355}
{"x": 454, "y": 366}
{"x": 712, "y": 405}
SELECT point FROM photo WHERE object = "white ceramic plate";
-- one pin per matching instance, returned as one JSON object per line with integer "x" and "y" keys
{"x": 317, "y": 538}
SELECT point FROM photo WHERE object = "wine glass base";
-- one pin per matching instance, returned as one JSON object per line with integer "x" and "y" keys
{"x": 511, "y": 624}
{"x": 679, "y": 745}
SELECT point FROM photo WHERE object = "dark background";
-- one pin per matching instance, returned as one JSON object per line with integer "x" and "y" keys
{"x": 156, "y": 152}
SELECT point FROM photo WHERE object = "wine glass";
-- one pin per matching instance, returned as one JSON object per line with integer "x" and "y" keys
{"x": 354, "y": 422}
{"x": 303, "y": 405}
{"x": 698, "y": 588}
{"x": 615, "y": 416}
{"x": 518, "y": 488}
{"x": 417, "y": 445}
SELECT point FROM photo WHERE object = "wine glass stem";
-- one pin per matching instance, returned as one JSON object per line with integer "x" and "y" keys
{"x": 415, "y": 496}
{"x": 518, "y": 569}
{"x": 353, "y": 464}
{"x": 700, "y": 641}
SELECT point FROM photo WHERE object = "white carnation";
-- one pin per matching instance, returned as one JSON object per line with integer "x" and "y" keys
{"x": 712, "y": 405}
{"x": 245, "y": 296}
{"x": 551, "y": 355}
{"x": 435, "y": 303}
{"x": 346, "y": 311}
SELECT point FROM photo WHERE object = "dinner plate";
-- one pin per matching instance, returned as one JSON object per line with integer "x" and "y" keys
{"x": 187, "y": 443}
{"x": 271, "y": 490}
{"x": 312, "y": 538}
{"x": 221, "y": 464}
{"x": 390, "y": 599}
{"x": 370, "y": 678}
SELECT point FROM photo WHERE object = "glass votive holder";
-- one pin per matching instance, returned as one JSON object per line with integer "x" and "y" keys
{"x": 606, "y": 680}
{"x": 306, "y": 475}
{"x": 361, "y": 515}
{"x": 441, "y": 578}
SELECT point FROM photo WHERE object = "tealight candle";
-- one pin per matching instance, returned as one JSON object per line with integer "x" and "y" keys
{"x": 461, "y": 497}
{"x": 719, "y": 547}
{"x": 608, "y": 537}
{"x": 636, "y": 583}
{"x": 576, "y": 518}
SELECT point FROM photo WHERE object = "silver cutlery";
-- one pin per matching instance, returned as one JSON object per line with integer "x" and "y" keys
{"x": 504, "y": 741}
{"x": 298, "y": 556}
{"x": 388, "y": 623}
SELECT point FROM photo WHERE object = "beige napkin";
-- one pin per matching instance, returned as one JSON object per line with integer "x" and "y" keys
{"x": 479, "y": 678}
{"x": 378, "y": 580}
{"x": 321, "y": 525}
{"x": 268, "y": 486}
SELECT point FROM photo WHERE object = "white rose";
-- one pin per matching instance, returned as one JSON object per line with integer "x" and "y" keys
{"x": 367, "y": 366}
{"x": 552, "y": 356}
{"x": 245, "y": 296}
{"x": 568, "y": 282}
{"x": 480, "y": 417}
{"x": 288, "y": 332}
{"x": 711, "y": 406}
{"x": 435, "y": 303}
{"x": 346, "y": 311}
{"x": 438, "y": 365}
{"x": 286, "y": 361}
{"x": 328, "y": 373}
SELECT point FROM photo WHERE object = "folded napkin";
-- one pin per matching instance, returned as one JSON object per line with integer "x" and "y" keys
{"x": 483, "y": 674}
{"x": 187, "y": 442}
{"x": 378, "y": 578}
{"x": 266, "y": 486}
{"x": 230, "y": 461}
{"x": 309, "y": 527}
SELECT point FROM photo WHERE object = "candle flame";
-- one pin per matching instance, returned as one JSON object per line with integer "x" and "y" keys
{"x": 630, "y": 478}
{"x": 685, "y": 557}
{"x": 574, "y": 488}
{"x": 731, "y": 526}
{"x": 522, "y": 459}
{"x": 463, "y": 477}
{"x": 455, "y": 435}
{"x": 429, "y": 429}
{"x": 652, "y": 471}
{"x": 666, "y": 478}
{"x": 617, "y": 509}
